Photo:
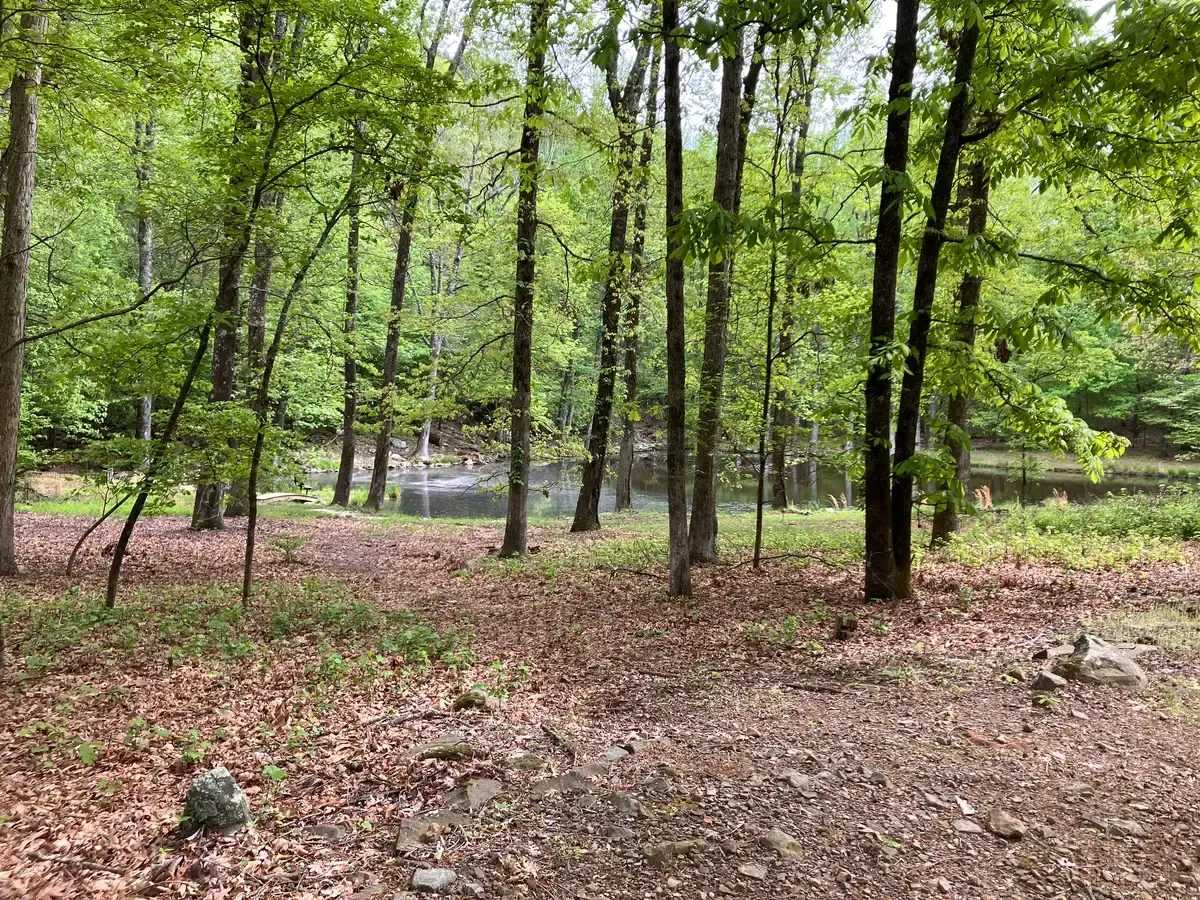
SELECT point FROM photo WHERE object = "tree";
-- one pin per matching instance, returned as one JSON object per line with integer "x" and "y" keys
{"x": 516, "y": 540}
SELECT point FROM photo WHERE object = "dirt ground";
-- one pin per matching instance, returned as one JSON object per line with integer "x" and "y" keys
{"x": 645, "y": 749}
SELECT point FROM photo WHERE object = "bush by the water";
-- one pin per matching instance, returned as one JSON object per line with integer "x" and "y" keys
{"x": 1173, "y": 512}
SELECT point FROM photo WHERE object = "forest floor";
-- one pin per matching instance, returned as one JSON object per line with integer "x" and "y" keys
{"x": 881, "y": 757}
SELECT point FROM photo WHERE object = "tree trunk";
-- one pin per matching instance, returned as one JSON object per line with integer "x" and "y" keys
{"x": 143, "y": 145}
{"x": 341, "y": 490}
{"x": 637, "y": 286}
{"x": 435, "y": 353}
{"x": 14, "y": 271}
{"x": 737, "y": 104}
{"x": 679, "y": 562}
{"x": 516, "y": 525}
{"x": 880, "y": 559}
{"x": 958, "y": 413}
{"x": 908, "y": 415}
{"x": 624, "y": 106}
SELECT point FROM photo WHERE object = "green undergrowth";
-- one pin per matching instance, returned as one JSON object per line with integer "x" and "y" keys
{"x": 1174, "y": 627}
{"x": 1128, "y": 465}
{"x": 168, "y": 626}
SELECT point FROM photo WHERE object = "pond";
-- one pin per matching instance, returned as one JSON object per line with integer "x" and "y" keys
{"x": 479, "y": 492}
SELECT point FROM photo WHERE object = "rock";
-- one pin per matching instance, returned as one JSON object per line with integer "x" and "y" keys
{"x": 592, "y": 769}
{"x": 966, "y": 826}
{"x": 674, "y": 883}
{"x": 755, "y": 871}
{"x": 1095, "y": 661}
{"x": 1005, "y": 825}
{"x": 1118, "y": 827}
{"x": 612, "y": 754}
{"x": 807, "y": 785}
{"x": 523, "y": 761}
{"x": 215, "y": 802}
{"x": 878, "y": 778}
{"x": 568, "y": 783}
{"x": 1016, "y": 673}
{"x": 413, "y": 834}
{"x": 628, "y": 805}
{"x": 327, "y": 832}
{"x": 943, "y": 885}
{"x": 965, "y": 806}
{"x": 475, "y": 698}
{"x": 937, "y": 802}
{"x": 618, "y": 833}
{"x": 663, "y": 854}
{"x": 782, "y": 843}
{"x": 659, "y": 786}
{"x": 433, "y": 881}
{"x": 1054, "y": 652}
{"x": 451, "y": 747}
{"x": 1048, "y": 681}
{"x": 474, "y": 794}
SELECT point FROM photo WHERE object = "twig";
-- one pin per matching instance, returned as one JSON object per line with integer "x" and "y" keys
{"x": 817, "y": 687}
{"x": 75, "y": 861}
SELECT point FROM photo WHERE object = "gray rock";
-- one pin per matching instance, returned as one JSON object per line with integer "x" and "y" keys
{"x": 524, "y": 761}
{"x": 413, "y": 834}
{"x": 474, "y": 794}
{"x": 452, "y": 747}
{"x": 663, "y": 854}
{"x": 612, "y": 754}
{"x": 754, "y": 871}
{"x": 1054, "y": 652}
{"x": 782, "y": 843}
{"x": 1096, "y": 661}
{"x": 327, "y": 832}
{"x": 1048, "y": 681}
{"x": 433, "y": 881}
{"x": 808, "y": 785}
{"x": 628, "y": 805}
{"x": 1004, "y": 825}
{"x": 1118, "y": 827}
{"x": 659, "y": 786}
{"x": 966, "y": 826}
{"x": 215, "y": 801}
{"x": 618, "y": 833}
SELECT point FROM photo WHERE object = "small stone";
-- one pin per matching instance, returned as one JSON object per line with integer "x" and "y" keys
{"x": 451, "y": 747}
{"x": 782, "y": 843}
{"x": 474, "y": 794}
{"x": 524, "y": 761}
{"x": 571, "y": 782}
{"x": 1054, "y": 652}
{"x": 327, "y": 832}
{"x": 966, "y": 826}
{"x": 628, "y": 805}
{"x": 965, "y": 806}
{"x": 943, "y": 885}
{"x": 754, "y": 871}
{"x": 618, "y": 833}
{"x": 658, "y": 786}
{"x": 1079, "y": 714}
{"x": 1004, "y": 825}
{"x": 215, "y": 802}
{"x": 612, "y": 754}
{"x": 674, "y": 883}
{"x": 878, "y": 778}
{"x": 1016, "y": 673}
{"x": 663, "y": 854}
{"x": 937, "y": 802}
{"x": 433, "y": 881}
{"x": 1048, "y": 681}
{"x": 475, "y": 698}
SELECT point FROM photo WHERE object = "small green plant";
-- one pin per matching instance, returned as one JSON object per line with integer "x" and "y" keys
{"x": 193, "y": 748}
{"x": 275, "y": 773}
{"x": 290, "y": 546}
{"x": 767, "y": 632}
{"x": 1046, "y": 701}
{"x": 89, "y": 752}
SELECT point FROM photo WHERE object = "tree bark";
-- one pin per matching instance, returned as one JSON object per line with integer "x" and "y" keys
{"x": 737, "y": 104}
{"x": 958, "y": 412}
{"x": 516, "y": 526}
{"x": 679, "y": 562}
{"x": 14, "y": 270}
{"x": 908, "y": 415}
{"x": 880, "y": 558}
{"x": 341, "y": 490}
{"x": 624, "y": 104}
{"x": 143, "y": 146}
{"x": 637, "y": 286}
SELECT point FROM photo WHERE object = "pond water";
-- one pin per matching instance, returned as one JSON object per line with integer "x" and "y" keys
{"x": 480, "y": 492}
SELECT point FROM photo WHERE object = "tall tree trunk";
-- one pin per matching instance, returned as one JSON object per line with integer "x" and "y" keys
{"x": 880, "y": 560}
{"x": 341, "y": 490}
{"x": 143, "y": 147}
{"x": 516, "y": 526}
{"x": 435, "y": 353}
{"x": 908, "y": 415}
{"x": 733, "y": 122}
{"x": 409, "y": 198}
{"x": 637, "y": 286}
{"x": 624, "y": 104}
{"x": 958, "y": 413}
{"x": 14, "y": 270}
{"x": 679, "y": 562}
{"x": 784, "y": 419}
{"x": 162, "y": 448}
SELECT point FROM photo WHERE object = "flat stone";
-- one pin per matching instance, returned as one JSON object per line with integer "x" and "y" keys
{"x": 523, "y": 761}
{"x": 419, "y": 831}
{"x": 782, "y": 843}
{"x": 1002, "y": 824}
{"x": 327, "y": 832}
{"x": 1095, "y": 661}
{"x": 659, "y": 786}
{"x": 433, "y": 881}
{"x": 628, "y": 805}
{"x": 568, "y": 783}
{"x": 966, "y": 826}
{"x": 612, "y": 754}
{"x": 618, "y": 833}
{"x": 1054, "y": 652}
{"x": 1048, "y": 681}
{"x": 474, "y": 794}
{"x": 662, "y": 854}
{"x": 754, "y": 871}
{"x": 451, "y": 747}
{"x": 214, "y": 801}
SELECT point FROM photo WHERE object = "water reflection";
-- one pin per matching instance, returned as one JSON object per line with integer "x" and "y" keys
{"x": 554, "y": 487}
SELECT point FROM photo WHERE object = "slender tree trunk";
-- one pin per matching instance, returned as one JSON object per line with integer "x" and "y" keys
{"x": 637, "y": 286}
{"x": 162, "y": 448}
{"x": 143, "y": 144}
{"x": 516, "y": 527}
{"x": 958, "y": 413}
{"x": 14, "y": 271}
{"x": 679, "y": 562}
{"x": 733, "y": 122}
{"x": 880, "y": 560}
{"x": 624, "y": 107}
{"x": 908, "y": 415}
{"x": 409, "y": 198}
{"x": 435, "y": 353}
{"x": 341, "y": 490}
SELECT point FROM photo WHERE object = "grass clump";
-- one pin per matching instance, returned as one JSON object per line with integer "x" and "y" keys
{"x": 1172, "y": 513}
{"x": 1174, "y": 627}
{"x": 208, "y": 622}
